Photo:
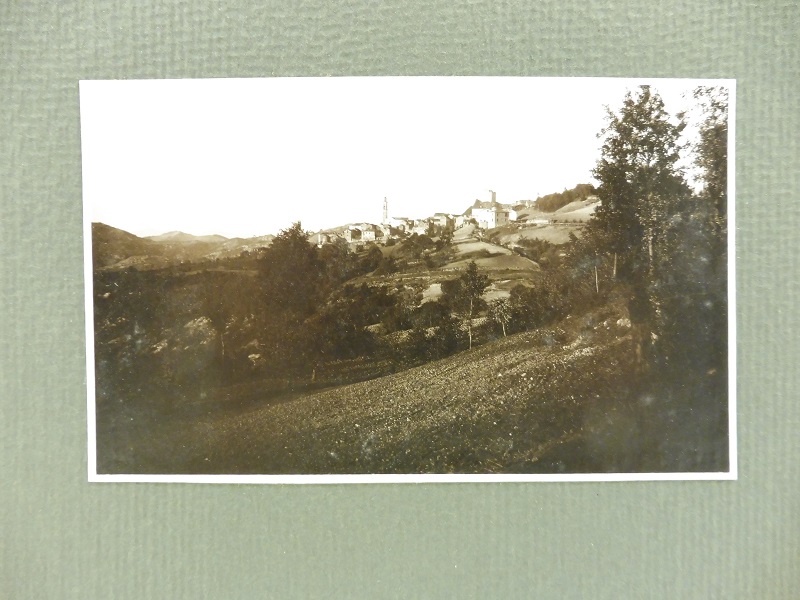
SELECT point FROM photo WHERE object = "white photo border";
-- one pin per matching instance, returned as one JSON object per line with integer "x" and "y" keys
{"x": 730, "y": 475}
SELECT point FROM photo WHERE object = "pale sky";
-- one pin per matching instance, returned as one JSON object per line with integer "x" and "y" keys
{"x": 245, "y": 157}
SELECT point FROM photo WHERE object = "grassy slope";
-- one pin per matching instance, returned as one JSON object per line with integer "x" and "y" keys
{"x": 521, "y": 404}
{"x": 469, "y": 249}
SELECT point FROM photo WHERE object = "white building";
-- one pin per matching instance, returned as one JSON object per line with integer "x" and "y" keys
{"x": 493, "y": 216}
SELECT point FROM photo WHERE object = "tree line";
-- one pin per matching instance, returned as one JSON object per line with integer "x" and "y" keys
{"x": 552, "y": 202}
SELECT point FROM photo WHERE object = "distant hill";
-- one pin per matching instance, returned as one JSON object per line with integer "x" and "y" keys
{"x": 114, "y": 248}
{"x": 111, "y": 245}
{"x": 179, "y": 236}
{"x": 231, "y": 247}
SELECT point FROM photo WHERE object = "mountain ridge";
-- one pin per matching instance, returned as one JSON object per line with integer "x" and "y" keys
{"x": 114, "y": 248}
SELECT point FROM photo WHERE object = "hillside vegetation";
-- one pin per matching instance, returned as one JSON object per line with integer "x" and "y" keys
{"x": 186, "y": 384}
{"x": 557, "y": 201}
{"x": 555, "y": 400}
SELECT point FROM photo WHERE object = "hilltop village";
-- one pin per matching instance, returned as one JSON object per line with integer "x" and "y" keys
{"x": 485, "y": 215}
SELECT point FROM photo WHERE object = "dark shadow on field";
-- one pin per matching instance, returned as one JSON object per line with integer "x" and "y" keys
{"x": 657, "y": 426}
{"x": 160, "y": 432}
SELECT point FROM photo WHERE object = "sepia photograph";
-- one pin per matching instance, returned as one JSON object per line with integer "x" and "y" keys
{"x": 400, "y": 279}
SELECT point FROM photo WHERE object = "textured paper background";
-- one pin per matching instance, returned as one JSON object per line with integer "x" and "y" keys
{"x": 61, "y": 537}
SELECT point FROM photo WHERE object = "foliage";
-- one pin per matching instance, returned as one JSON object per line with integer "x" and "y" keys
{"x": 500, "y": 312}
{"x": 338, "y": 261}
{"x": 434, "y": 334}
{"x": 640, "y": 182}
{"x": 414, "y": 245}
{"x": 712, "y": 155}
{"x": 552, "y": 202}
{"x": 667, "y": 246}
{"x": 399, "y": 315}
{"x": 473, "y": 283}
{"x": 336, "y": 333}
{"x": 463, "y": 295}
{"x": 304, "y": 321}
{"x": 370, "y": 259}
{"x": 429, "y": 314}
{"x": 536, "y": 306}
{"x": 340, "y": 264}
{"x": 692, "y": 288}
{"x": 291, "y": 273}
{"x": 542, "y": 252}
{"x": 367, "y": 304}
{"x": 447, "y": 338}
{"x": 445, "y": 237}
{"x": 387, "y": 266}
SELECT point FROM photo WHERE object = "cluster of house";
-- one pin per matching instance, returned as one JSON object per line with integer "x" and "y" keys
{"x": 487, "y": 215}
{"x": 391, "y": 228}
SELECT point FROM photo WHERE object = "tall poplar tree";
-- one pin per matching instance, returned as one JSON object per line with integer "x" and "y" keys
{"x": 641, "y": 190}
{"x": 640, "y": 182}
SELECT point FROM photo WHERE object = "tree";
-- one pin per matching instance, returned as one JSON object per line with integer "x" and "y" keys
{"x": 692, "y": 286}
{"x": 337, "y": 260}
{"x": 541, "y": 304}
{"x": 641, "y": 190}
{"x": 447, "y": 338}
{"x": 370, "y": 259}
{"x": 711, "y": 155}
{"x": 293, "y": 284}
{"x": 552, "y": 202}
{"x": 690, "y": 290}
{"x": 399, "y": 315}
{"x": 500, "y": 312}
{"x": 292, "y": 272}
{"x": 445, "y": 237}
{"x": 640, "y": 182}
{"x": 464, "y": 294}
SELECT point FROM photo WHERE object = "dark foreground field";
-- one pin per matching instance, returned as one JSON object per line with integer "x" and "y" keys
{"x": 551, "y": 401}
